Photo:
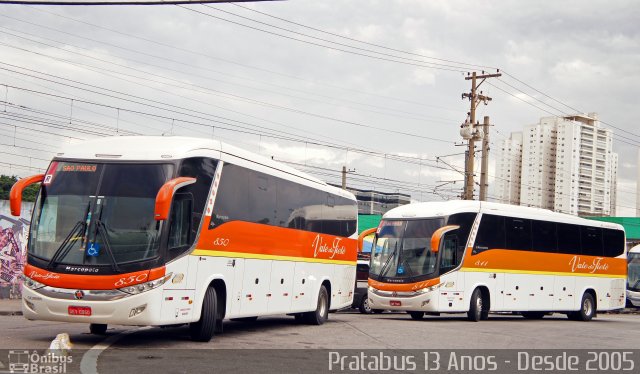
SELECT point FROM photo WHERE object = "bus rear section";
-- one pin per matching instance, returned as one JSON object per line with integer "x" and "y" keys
{"x": 168, "y": 231}
{"x": 478, "y": 258}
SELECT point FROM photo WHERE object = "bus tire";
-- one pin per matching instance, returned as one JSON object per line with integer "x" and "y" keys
{"x": 476, "y": 308}
{"x": 202, "y": 331}
{"x": 533, "y": 315}
{"x": 364, "y": 306}
{"x": 587, "y": 309}
{"x": 98, "y": 328}
{"x": 416, "y": 315}
{"x": 321, "y": 314}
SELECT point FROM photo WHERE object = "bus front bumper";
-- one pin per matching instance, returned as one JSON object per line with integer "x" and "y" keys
{"x": 425, "y": 301}
{"x": 136, "y": 310}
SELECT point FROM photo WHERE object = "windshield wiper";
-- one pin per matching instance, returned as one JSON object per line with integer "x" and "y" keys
{"x": 385, "y": 267}
{"x": 64, "y": 248}
{"x": 102, "y": 231}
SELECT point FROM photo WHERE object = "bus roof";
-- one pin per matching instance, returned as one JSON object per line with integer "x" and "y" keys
{"x": 162, "y": 148}
{"x": 635, "y": 249}
{"x": 445, "y": 208}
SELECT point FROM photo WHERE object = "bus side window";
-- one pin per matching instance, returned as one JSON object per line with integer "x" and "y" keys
{"x": 568, "y": 238}
{"x": 591, "y": 239}
{"x": 448, "y": 256}
{"x": 180, "y": 237}
{"x": 613, "y": 242}
{"x": 544, "y": 235}
{"x": 490, "y": 234}
{"x": 518, "y": 232}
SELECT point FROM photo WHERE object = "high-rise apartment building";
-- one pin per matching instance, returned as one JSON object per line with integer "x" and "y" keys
{"x": 564, "y": 164}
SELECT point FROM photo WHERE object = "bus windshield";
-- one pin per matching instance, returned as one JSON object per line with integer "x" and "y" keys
{"x": 633, "y": 276}
{"x": 403, "y": 248}
{"x": 97, "y": 213}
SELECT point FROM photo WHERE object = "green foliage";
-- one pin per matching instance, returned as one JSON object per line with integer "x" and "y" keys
{"x": 29, "y": 193}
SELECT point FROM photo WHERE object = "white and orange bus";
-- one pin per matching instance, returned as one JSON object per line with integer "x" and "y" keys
{"x": 171, "y": 230}
{"x": 477, "y": 257}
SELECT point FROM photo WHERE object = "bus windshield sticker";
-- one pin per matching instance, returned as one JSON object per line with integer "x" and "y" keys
{"x": 93, "y": 250}
{"x": 48, "y": 177}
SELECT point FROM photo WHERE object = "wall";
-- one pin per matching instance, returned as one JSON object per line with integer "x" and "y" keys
{"x": 14, "y": 233}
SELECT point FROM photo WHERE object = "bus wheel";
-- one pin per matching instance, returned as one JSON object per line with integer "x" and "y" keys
{"x": 533, "y": 315}
{"x": 416, "y": 315}
{"x": 587, "y": 309}
{"x": 98, "y": 328}
{"x": 364, "y": 307}
{"x": 320, "y": 315}
{"x": 476, "y": 308}
{"x": 202, "y": 331}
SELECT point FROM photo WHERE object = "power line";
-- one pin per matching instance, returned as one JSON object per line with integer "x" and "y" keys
{"x": 363, "y": 42}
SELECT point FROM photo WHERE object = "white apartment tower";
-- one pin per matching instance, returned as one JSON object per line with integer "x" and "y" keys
{"x": 564, "y": 164}
{"x": 508, "y": 169}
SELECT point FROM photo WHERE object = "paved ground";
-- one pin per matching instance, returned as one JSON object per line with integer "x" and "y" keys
{"x": 344, "y": 330}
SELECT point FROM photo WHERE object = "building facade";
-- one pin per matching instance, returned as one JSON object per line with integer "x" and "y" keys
{"x": 565, "y": 164}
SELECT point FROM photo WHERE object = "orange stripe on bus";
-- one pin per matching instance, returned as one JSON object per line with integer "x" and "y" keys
{"x": 92, "y": 281}
{"x": 259, "y": 239}
{"x": 403, "y": 287}
{"x": 508, "y": 259}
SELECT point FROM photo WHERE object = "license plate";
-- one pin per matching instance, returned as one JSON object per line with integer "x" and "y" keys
{"x": 79, "y": 310}
{"x": 395, "y": 303}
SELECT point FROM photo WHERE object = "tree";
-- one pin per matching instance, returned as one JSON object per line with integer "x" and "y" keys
{"x": 29, "y": 193}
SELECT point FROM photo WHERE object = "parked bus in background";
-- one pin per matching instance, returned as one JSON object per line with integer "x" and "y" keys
{"x": 171, "y": 230}
{"x": 477, "y": 257}
{"x": 633, "y": 277}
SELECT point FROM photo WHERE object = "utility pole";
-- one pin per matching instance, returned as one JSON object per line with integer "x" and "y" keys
{"x": 344, "y": 177}
{"x": 484, "y": 167}
{"x": 469, "y": 131}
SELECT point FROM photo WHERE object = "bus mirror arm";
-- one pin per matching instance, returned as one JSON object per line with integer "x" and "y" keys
{"x": 364, "y": 234}
{"x": 15, "y": 196}
{"x": 165, "y": 196}
{"x": 437, "y": 236}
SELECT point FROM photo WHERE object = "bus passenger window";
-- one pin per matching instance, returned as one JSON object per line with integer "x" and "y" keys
{"x": 568, "y": 238}
{"x": 591, "y": 239}
{"x": 490, "y": 234}
{"x": 613, "y": 242}
{"x": 544, "y": 236}
{"x": 518, "y": 232}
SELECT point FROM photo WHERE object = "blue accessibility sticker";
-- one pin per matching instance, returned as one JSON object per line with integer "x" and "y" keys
{"x": 400, "y": 269}
{"x": 93, "y": 250}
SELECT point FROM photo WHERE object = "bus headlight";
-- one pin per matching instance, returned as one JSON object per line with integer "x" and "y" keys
{"x": 31, "y": 284}
{"x": 147, "y": 286}
{"x": 428, "y": 289}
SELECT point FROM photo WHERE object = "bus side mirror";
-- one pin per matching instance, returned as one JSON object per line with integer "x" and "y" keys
{"x": 364, "y": 234}
{"x": 437, "y": 236}
{"x": 15, "y": 196}
{"x": 165, "y": 196}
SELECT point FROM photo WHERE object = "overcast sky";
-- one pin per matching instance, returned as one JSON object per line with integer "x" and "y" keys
{"x": 296, "y": 82}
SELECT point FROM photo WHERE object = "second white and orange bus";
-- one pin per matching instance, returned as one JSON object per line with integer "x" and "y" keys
{"x": 170, "y": 230}
{"x": 477, "y": 257}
